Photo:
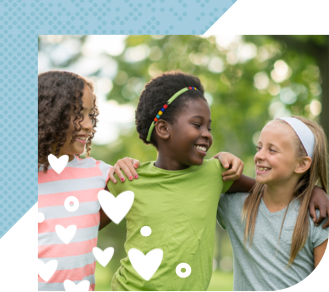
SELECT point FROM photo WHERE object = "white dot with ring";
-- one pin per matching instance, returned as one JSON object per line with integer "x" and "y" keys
{"x": 68, "y": 201}
{"x": 183, "y": 274}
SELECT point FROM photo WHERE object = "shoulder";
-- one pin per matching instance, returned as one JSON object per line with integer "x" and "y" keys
{"x": 317, "y": 234}
{"x": 233, "y": 198}
{"x": 230, "y": 207}
{"x": 230, "y": 203}
{"x": 144, "y": 171}
{"x": 212, "y": 164}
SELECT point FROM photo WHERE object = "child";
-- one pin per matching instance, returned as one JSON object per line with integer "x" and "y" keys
{"x": 67, "y": 121}
{"x": 278, "y": 244}
{"x": 176, "y": 196}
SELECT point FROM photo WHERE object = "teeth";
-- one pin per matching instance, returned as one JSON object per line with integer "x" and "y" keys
{"x": 82, "y": 138}
{"x": 263, "y": 168}
{"x": 202, "y": 148}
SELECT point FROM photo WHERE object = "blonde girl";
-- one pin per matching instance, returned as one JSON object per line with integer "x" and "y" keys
{"x": 277, "y": 245}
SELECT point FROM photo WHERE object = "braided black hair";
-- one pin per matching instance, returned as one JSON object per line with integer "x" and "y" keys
{"x": 157, "y": 92}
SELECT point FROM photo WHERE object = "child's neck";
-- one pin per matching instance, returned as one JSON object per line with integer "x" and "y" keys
{"x": 277, "y": 197}
{"x": 165, "y": 162}
{"x": 71, "y": 156}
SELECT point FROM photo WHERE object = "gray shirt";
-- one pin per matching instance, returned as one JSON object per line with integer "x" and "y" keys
{"x": 262, "y": 266}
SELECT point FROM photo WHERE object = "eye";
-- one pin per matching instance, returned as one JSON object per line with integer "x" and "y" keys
{"x": 258, "y": 148}
{"x": 272, "y": 150}
{"x": 209, "y": 129}
{"x": 197, "y": 125}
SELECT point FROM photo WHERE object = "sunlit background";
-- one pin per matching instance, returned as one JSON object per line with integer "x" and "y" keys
{"x": 248, "y": 80}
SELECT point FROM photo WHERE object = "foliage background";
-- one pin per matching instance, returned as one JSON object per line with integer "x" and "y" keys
{"x": 248, "y": 81}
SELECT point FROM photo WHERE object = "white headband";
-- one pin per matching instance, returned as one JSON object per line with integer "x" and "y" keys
{"x": 304, "y": 134}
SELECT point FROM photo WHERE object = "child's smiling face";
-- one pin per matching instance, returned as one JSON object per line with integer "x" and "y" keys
{"x": 275, "y": 159}
{"x": 190, "y": 136}
{"x": 79, "y": 143}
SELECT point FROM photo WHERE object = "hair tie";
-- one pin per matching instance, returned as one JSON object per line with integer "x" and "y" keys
{"x": 164, "y": 107}
{"x": 303, "y": 132}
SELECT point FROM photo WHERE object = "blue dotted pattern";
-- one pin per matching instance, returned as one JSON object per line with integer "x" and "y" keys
{"x": 20, "y": 24}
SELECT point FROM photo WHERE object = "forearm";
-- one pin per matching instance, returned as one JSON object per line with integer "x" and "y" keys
{"x": 243, "y": 184}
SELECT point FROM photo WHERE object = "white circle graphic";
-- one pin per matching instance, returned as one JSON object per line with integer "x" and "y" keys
{"x": 67, "y": 205}
{"x": 183, "y": 274}
{"x": 146, "y": 231}
{"x": 41, "y": 217}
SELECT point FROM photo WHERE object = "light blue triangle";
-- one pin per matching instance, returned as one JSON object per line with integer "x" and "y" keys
{"x": 25, "y": 227}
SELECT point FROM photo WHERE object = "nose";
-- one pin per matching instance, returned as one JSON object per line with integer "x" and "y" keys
{"x": 207, "y": 135}
{"x": 259, "y": 155}
{"x": 87, "y": 123}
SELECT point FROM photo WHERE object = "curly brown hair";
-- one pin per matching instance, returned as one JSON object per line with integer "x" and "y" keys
{"x": 59, "y": 96}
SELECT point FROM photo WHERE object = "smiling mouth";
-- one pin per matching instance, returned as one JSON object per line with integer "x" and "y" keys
{"x": 202, "y": 148}
{"x": 263, "y": 168}
{"x": 82, "y": 139}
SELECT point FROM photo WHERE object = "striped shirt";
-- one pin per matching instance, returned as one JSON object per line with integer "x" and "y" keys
{"x": 82, "y": 179}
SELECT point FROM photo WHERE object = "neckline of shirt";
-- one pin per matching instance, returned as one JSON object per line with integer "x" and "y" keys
{"x": 263, "y": 208}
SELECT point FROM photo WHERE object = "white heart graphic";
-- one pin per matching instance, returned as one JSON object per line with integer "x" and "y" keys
{"x": 145, "y": 265}
{"x": 41, "y": 217}
{"x": 47, "y": 270}
{"x": 58, "y": 164}
{"x": 66, "y": 234}
{"x": 116, "y": 208}
{"x": 103, "y": 257}
{"x": 81, "y": 286}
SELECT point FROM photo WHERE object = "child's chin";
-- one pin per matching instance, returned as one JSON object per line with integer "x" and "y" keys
{"x": 79, "y": 150}
{"x": 199, "y": 162}
{"x": 261, "y": 180}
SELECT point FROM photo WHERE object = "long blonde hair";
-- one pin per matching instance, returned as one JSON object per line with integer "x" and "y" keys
{"x": 317, "y": 173}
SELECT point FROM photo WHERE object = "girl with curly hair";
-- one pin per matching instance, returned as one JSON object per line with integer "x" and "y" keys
{"x": 68, "y": 201}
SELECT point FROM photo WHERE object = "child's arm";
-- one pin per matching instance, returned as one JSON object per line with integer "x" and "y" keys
{"x": 242, "y": 183}
{"x": 319, "y": 200}
{"x": 128, "y": 165}
{"x": 319, "y": 252}
{"x": 232, "y": 163}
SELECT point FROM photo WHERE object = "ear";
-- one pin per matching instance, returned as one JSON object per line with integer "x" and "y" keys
{"x": 162, "y": 129}
{"x": 303, "y": 165}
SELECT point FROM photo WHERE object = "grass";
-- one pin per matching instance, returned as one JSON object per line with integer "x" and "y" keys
{"x": 220, "y": 281}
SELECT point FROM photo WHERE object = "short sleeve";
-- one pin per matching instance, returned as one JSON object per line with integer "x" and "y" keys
{"x": 116, "y": 189}
{"x": 318, "y": 234}
{"x": 105, "y": 168}
{"x": 221, "y": 210}
{"x": 226, "y": 184}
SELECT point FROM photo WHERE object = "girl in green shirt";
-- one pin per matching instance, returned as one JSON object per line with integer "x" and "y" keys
{"x": 176, "y": 196}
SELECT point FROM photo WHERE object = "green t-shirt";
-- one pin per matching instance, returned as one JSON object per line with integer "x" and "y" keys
{"x": 180, "y": 208}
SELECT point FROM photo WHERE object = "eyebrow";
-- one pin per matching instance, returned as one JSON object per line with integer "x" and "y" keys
{"x": 270, "y": 144}
{"x": 201, "y": 118}
{"x": 85, "y": 108}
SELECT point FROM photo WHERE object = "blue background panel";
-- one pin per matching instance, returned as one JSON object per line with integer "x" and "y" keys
{"x": 20, "y": 24}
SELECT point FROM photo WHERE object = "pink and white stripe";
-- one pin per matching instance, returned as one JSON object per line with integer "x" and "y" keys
{"x": 83, "y": 179}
